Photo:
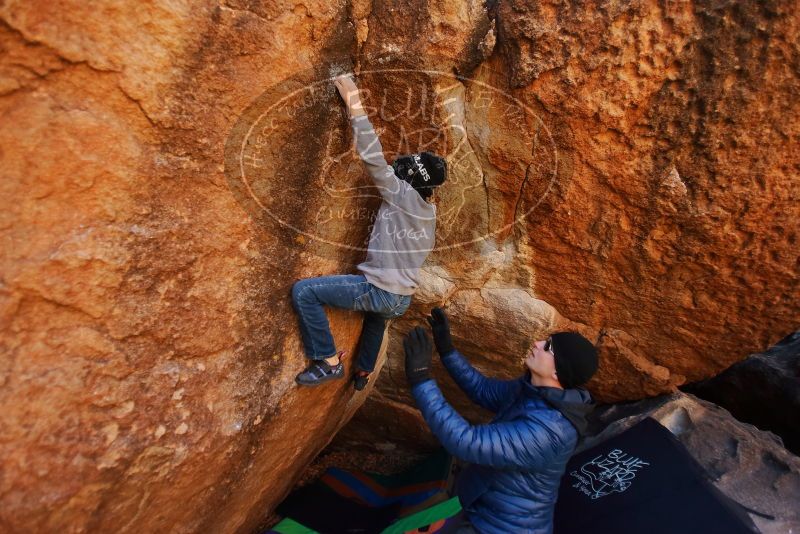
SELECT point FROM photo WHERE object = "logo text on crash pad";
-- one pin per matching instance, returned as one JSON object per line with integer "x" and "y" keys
{"x": 606, "y": 474}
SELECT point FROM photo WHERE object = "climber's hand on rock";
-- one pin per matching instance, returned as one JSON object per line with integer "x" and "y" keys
{"x": 349, "y": 92}
{"x": 441, "y": 331}
{"x": 418, "y": 351}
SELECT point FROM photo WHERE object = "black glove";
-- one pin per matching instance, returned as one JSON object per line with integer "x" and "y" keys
{"x": 418, "y": 350}
{"x": 441, "y": 331}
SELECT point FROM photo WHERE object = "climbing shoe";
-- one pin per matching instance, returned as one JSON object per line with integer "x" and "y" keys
{"x": 360, "y": 380}
{"x": 320, "y": 371}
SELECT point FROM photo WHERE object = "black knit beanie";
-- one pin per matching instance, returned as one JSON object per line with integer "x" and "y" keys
{"x": 424, "y": 171}
{"x": 576, "y": 359}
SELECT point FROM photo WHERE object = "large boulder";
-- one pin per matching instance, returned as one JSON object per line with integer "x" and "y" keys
{"x": 148, "y": 342}
{"x": 649, "y": 149}
{"x": 169, "y": 170}
{"x": 763, "y": 390}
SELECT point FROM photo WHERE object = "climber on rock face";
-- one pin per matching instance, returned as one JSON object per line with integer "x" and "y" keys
{"x": 514, "y": 463}
{"x": 402, "y": 236}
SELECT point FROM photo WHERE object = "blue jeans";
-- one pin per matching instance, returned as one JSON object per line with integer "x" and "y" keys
{"x": 351, "y": 292}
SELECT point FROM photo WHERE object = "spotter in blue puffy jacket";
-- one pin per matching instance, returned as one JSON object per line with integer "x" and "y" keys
{"x": 516, "y": 461}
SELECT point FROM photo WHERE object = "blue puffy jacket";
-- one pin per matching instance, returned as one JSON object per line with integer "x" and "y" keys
{"x": 516, "y": 461}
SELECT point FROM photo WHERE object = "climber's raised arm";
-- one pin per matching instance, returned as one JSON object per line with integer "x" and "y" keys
{"x": 367, "y": 143}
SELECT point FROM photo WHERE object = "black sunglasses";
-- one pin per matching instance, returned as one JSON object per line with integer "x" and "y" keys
{"x": 548, "y": 346}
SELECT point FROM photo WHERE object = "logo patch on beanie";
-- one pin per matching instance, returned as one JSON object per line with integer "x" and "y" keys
{"x": 423, "y": 171}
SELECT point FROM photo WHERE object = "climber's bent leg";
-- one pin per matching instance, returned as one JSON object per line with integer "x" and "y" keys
{"x": 379, "y": 306}
{"x": 371, "y": 339}
{"x": 369, "y": 346}
{"x": 308, "y": 298}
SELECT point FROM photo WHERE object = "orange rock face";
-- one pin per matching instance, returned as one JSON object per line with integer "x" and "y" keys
{"x": 629, "y": 170}
{"x": 677, "y": 236}
{"x": 665, "y": 227}
{"x": 148, "y": 341}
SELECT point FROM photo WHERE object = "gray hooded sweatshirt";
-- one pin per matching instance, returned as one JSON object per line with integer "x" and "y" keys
{"x": 403, "y": 232}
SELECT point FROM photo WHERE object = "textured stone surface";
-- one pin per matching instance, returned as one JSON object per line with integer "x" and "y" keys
{"x": 667, "y": 232}
{"x": 647, "y": 152}
{"x": 748, "y": 465}
{"x": 680, "y": 205}
{"x": 763, "y": 390}
{"x": 148, "y": 343}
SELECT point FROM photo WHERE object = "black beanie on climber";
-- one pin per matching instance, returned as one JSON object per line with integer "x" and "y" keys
{"x": 575, "y": 357}
{"x": 424, "y": 171}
